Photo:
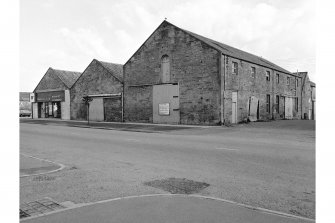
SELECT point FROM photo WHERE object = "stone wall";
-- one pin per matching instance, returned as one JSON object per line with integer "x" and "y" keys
{"x": 246, "y": 86}
{"x": 94, "y": 80}
{"x": 193, "y": 64}
{"x": 306, "y": 96}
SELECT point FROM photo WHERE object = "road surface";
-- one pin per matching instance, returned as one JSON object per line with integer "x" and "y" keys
{"x": 269, "y": 165}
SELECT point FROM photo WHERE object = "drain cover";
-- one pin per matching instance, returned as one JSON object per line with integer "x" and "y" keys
{"x": 178, "y": 185}
{"x": 38, "y": 207}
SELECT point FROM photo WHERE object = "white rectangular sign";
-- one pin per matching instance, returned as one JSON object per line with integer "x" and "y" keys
{"x": 164, "y": 109}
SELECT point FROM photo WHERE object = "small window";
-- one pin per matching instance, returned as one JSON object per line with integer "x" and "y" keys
{"x": 268, "y": 103}
{"x": 288, "y": 80}
{"x": 277, "y": 103}
{"x": 277, "y": 77}
{"x": 253, "y": 72}
{"x": 296, "y": 82}
{"x": 268, "y": 75}
{"x": 235, "y": 68}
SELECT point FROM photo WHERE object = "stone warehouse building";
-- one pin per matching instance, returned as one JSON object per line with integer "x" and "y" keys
{"x": 308, "y": 96}
{"x": 180, "y": 77}
{"x": 104, "y": 83}
{"x": 52, "y": 94}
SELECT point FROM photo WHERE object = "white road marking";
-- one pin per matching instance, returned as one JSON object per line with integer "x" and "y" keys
{"x": 255, "y": 208}
{"x": 226, "y": 149}
{"x": 133, "y": 140}
{"x": 61, "y": 166}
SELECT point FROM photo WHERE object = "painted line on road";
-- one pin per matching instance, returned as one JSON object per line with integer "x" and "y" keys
{"x": 264, "y": 210}
{"x": 133, "y": 140}
{"x": 61, "y": 166}
{"x": 227, "y": 149}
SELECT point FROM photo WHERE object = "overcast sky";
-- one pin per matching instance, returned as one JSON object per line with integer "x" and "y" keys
{"x": 68, "y": 34}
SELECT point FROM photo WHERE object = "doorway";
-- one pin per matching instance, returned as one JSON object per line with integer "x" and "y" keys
{"x": 166, "y": 104}
{"x": 234, "y": 107}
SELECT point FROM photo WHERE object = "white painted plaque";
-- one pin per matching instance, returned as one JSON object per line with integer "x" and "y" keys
{"x": 164, "y": 109}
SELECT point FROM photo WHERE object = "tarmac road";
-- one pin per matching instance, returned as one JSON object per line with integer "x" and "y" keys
{"x": 266, "y": 165}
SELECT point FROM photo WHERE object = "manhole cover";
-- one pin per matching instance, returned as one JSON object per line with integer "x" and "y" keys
{"x": 178, "y": 185}
{"x": 38, "y": 207}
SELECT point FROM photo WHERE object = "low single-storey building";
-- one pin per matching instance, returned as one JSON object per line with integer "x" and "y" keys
{"x": 52, "y": 94}
{"x": 103, "y": 82}
{"x": 177, "y": 76}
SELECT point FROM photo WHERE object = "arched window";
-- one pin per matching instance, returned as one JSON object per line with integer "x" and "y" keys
{"x": 165, "y": 69}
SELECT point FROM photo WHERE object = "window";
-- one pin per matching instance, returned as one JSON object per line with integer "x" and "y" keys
{"x": 165, "y": 69}
{"x": 277, "y": 77}
{"x": 268, "y": 75}
{"x": 268, "y": 103}
{"x": 253, "y": 72}
{"x": 296, "y": 82}
{"x": 235, "y": 68}
{"x": 277, "y": 103}
{"x": 288, "y": 80}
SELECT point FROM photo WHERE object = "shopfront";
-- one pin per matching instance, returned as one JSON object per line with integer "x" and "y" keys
{"x": 49, "y": 104}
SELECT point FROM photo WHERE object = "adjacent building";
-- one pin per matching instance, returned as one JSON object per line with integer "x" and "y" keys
{"x": 25, "y": 104}
{"x": 308, "y": 96}
{"x": 180, "y": 77}
{"x": 103, "y": 82}
{"x": 52, "y": 94}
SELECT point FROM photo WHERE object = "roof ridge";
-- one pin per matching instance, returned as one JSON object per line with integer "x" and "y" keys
{"x": 108, "y": 69}
{"x": 67, "y": 82}
{"x": 109, "y": 62}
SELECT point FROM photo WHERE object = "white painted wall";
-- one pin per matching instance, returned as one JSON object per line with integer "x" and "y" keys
{"x": 65, "y": 106}
{"x": 35, "y": 110}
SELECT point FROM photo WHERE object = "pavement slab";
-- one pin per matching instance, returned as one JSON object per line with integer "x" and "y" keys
{"x": 164, "y": 209}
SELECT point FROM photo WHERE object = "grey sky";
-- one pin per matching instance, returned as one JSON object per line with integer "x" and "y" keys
{"x": 68, "y": 34}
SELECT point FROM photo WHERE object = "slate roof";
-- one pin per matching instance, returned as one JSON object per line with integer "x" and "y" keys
{"x": 236, "y": 53}
{"x": 115, "y": 69}
{"x": 67, "y": 77}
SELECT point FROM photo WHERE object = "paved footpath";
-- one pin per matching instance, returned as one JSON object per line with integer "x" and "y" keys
{"x": 136, "y": 127}
{"x": 163, "y": 209}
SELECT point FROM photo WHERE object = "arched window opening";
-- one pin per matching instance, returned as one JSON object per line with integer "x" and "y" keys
{"x": 165, "y": 69}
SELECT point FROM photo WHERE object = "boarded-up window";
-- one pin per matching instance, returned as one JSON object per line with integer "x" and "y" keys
{"x": 277, "y": 77}
{"x": 268, "y": 103}
{"x": 165, "y": 69}
{"x": 268, "y": 75}
{"x": 277, "y": 103}
{"x": 235, "y": 68}
{"x": 253, "y": 72}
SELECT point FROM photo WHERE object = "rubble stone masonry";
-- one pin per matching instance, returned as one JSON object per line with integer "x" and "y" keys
{"x": 194, "y": 66}
{"x": 95, "y": 80}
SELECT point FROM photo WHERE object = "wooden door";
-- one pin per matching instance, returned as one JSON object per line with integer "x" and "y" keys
{"x": 166, "y": 104}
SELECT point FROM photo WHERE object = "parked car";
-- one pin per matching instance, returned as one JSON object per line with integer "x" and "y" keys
{"x": 24, "y": 113}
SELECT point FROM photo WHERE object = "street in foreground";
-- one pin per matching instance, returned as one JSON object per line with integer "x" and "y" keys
{"x": 269, "y": 165}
